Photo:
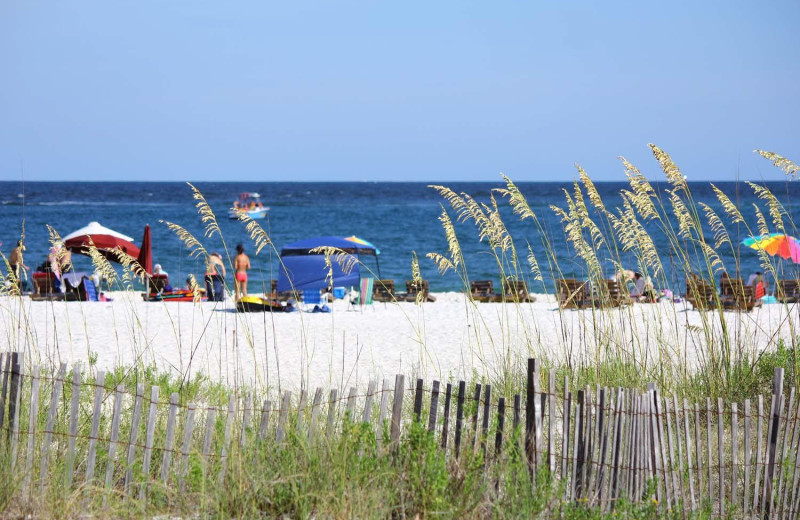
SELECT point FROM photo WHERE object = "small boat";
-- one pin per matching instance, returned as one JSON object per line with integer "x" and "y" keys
{"x": 249, "y": 203}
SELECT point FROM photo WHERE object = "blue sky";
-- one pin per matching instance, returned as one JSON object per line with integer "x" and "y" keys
{"x": 413, "y": 91}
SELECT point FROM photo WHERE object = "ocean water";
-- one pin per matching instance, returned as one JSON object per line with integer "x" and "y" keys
{"x": 399, "y": 218}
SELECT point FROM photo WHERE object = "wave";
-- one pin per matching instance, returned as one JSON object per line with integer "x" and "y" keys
{"x": 101, "y": 203}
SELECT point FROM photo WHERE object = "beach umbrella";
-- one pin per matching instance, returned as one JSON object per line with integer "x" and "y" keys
{"x": 778, "y": 244}
{"x": 365, "y": 243}
{"x": 104, "y": 239}
{"x": 145, "y": 257}
{"x": 302, "y": 270}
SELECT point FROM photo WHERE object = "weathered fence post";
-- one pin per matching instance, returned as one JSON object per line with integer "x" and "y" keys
{"x": 384, "y": 406}
{"x": 777, "y": 388}
{"x": 418, "y": 400}
{"x": 73, "y": 422}
{"x": 462, "y": 388}
{"x": 148, "y": 441}
{"x": 166, "y": 459}
{"x": 280, "y": 433}
{"x": 312, "y": 427}
{"x": 14, "y": 396}
{"x": 262, "y": 428}
{"x": 446, "y": 419}
{"x": 331, "y": 426}
{"x": 487, "y": 399}
{"x": 186, "y": 446}
{"x": 246, "y": 414}
{"x": 5, "y": 369}
{"x": 501, "y": 417}
{"x": 367, "y": 416}
{"x": 530, "y": 417}
{"x": 134, "y": 436}
{"x": 95, "y": 432}
{"x": 33, "y": 421}
{"x": 434, "y": 407}
{"x": 52, "y": 412}
{"x": 397, "y": 408}
{"x": 226, "y": 442}
{"x": 114, "y": 439}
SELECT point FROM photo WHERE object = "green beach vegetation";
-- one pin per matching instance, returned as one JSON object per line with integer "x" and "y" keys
{"x": 358, "y": 472}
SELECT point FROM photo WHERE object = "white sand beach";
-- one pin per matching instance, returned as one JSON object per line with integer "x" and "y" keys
{"x": 446, "y": 339}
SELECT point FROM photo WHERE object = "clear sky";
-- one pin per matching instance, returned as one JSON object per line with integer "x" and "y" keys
{"x": 412, "y": 91}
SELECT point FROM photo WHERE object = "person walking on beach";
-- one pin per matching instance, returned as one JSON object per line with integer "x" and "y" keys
{"x": 215, "y": 277}
{"x": 241, "y": 264}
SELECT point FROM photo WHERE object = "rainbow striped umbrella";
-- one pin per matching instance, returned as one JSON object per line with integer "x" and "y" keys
{"x": 779, "y": 244}
{"x": 362, "y": 242}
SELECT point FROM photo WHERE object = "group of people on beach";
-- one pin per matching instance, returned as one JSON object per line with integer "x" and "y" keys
{"x": 215, "y": 275}
{"x": 59, "y": 261}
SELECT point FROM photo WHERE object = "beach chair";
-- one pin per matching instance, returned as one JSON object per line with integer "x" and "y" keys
{"x": 572, "y": 294}
{"x": 516, "y": 291}
{"x": 613, "y": 294}
{"x": 482, "y": 291}
{"x": 365, "y": 296}
{"x": 735, "y": 295}
{"x": 413, "y": 289}
{"x": 157, "y": 283}
{"x": 44, "y": 283}
{"x": 313, "y": 299}
{"x": 700, "y": 293}
{"x": 383, "y": 291}
{"x": 788, "y": 291}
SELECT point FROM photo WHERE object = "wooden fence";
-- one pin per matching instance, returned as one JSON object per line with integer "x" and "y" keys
{"x": 599, "y": 444}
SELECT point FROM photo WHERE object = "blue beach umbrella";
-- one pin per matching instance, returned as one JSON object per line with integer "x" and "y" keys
{"x": 303, "y": 269}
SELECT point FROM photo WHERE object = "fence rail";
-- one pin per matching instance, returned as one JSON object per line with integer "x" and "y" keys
{"x": 600, "y": 444}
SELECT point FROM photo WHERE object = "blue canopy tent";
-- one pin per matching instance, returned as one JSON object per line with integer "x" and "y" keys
{"x": 303, "y": 270}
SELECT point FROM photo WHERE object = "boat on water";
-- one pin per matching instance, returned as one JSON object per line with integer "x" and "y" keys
{"x": 250, "y": 204}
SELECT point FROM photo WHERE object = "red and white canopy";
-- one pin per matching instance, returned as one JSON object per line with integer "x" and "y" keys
{"x": 104, "y": 239}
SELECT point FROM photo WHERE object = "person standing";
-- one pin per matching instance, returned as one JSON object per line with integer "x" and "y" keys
{"x": 215, "y": 277}
{"x": 241, "y": 264}
{"x": 17, "y": 263}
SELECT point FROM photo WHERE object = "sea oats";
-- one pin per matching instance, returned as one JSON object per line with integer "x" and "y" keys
{"x": 776, "y": 209}
{"x": 416, "y": 278}
{"x": 345, "y": 260}
{"x": 674, "y": 175}
{"x": 643, "y": 192}
{"x": 730, "y": 208}
{"x": 197, "y": 292}
{"x": 761, "y": 222}
{"x": 685, "y": 222}
{"x": 257, "y": 234}
{"x": 194, "y": 246}
{"x": 534, "y": 265}
{"x": 453, "y": 246}
{"x": 717, "y": 226}
{"x": 443, "y": 264}
{"x": 518, "y": 202}
{"x": 788, "y": 166}
{"x": 591, "y": 190}
{"x": 206, "y": 213}
{"x": 101, "y": 264}
{"x": 455, "y": 200}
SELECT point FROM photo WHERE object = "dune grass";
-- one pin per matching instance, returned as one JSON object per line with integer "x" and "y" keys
{"x": 723, "y": 354}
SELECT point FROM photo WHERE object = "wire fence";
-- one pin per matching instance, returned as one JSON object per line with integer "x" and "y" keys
{"x": 599, "y": 444}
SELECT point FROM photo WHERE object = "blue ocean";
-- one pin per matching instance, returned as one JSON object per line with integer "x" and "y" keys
{"x": 399, "y": 218}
